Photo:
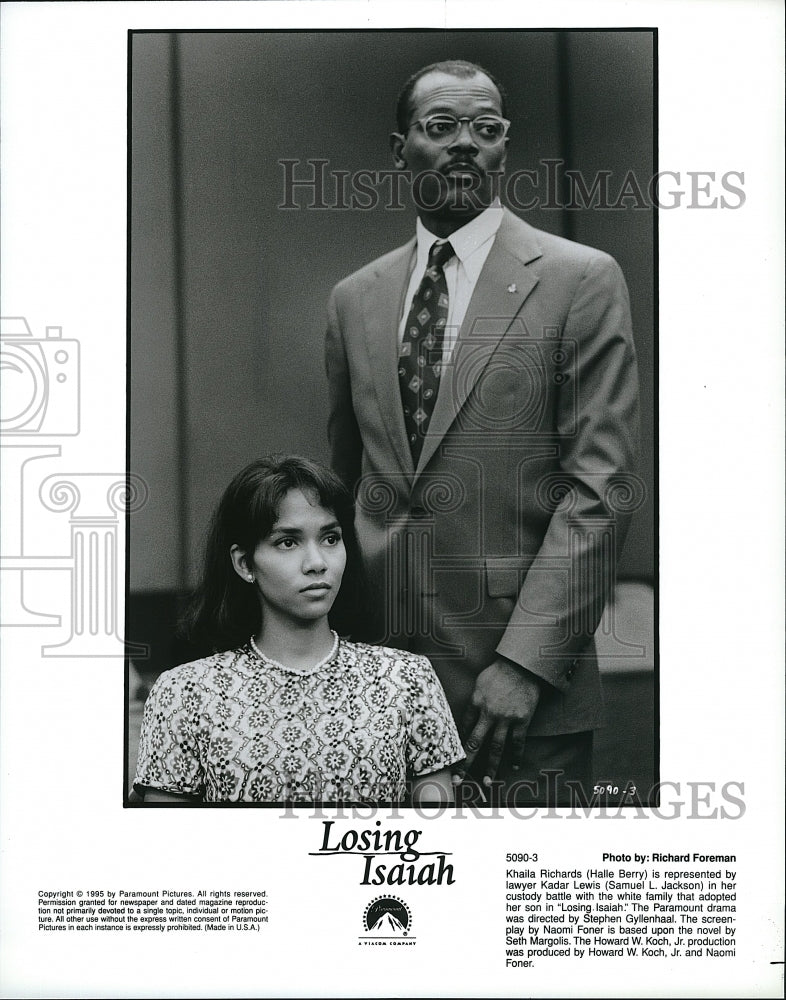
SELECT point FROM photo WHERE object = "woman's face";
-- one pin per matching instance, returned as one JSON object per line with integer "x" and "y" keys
{"x": 298, "y": 567}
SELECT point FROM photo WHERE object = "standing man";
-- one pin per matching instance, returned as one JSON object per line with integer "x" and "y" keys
{"x": 484, "y": 405}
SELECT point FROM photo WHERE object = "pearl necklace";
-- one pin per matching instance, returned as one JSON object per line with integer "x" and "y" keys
{"x": 309, "y": 670}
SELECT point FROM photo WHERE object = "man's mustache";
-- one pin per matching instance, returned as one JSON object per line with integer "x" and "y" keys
{"x": 468, "y": 166}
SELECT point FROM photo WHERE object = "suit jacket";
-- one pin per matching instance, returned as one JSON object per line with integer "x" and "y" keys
{"x": 504, "y": 538}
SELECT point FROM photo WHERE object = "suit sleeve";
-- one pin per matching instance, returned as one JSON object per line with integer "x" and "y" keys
{"x": 571, "y": 577}
{"x": 343, "y": 432}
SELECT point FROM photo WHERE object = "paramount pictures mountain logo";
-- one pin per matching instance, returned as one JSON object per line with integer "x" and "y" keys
{"x": 388, "y": 923}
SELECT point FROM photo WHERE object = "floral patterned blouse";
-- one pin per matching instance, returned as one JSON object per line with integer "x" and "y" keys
{"x": 237, "y": 727}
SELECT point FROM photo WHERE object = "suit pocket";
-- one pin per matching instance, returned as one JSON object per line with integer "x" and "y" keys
{"x": 505, "y": 575}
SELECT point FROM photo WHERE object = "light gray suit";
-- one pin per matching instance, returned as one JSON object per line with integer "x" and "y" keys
{"x": 503, "y": 540}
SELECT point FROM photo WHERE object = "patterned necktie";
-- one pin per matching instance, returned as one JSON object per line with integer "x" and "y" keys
{"x": 420, "y": 357}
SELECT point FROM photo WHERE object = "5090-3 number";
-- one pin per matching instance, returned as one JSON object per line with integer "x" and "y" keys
{"x": 521, "y": 857}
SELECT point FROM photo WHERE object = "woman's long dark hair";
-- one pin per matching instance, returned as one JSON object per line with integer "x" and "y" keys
{"x": 224, "y": 610}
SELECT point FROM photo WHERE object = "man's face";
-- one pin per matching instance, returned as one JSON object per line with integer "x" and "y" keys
{"x": 462, "y": 181}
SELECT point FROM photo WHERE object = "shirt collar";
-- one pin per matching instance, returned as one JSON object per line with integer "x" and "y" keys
{"x": 465, "y": 241}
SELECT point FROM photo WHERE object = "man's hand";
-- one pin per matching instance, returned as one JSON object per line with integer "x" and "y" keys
{"x": 502, "y": 706}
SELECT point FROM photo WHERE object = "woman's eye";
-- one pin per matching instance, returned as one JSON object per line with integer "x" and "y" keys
{"x": 333, "y": 538}
{"x": 286, "y": 543}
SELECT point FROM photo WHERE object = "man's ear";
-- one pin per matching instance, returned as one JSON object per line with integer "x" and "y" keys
{"x": 240, "y": 564}
{"x": 397, "y": 149}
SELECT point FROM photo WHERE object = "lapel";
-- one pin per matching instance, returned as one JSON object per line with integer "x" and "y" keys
{"x": 382, "y": 305}
{"x": 505, "y": 269}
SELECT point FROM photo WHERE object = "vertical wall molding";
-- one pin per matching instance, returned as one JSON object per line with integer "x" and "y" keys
{"x": 183, "y": 518}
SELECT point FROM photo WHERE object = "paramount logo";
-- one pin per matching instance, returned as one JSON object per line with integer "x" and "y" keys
{"x": 388, "y": 924}
{"x": 387, "y": 921}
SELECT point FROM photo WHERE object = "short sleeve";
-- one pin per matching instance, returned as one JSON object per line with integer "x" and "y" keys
{"x": 432, "y": 740}
{"x": 169, "y": 757}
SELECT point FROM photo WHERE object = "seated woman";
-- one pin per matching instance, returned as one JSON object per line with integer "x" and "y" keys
{"x": 284, "y": 710}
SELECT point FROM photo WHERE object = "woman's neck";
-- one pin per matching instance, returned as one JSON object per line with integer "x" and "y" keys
{"x": 298, "y": 647}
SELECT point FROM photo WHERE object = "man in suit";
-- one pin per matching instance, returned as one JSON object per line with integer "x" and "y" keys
{"x": 484, "y": 405}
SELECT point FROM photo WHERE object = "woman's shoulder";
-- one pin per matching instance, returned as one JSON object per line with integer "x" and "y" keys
{"x": 387, "y": 655}
{"x": 195, "y": 671}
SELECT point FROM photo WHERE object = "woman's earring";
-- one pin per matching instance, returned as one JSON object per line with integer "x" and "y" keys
{"x": 250, "y": 577}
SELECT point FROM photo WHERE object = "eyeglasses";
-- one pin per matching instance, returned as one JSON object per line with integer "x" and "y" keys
{"x": 486, "y": 130}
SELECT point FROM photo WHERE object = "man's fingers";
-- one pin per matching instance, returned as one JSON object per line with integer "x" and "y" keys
{"x": 475, "y": 740}
{"x": 471, "y": 716}
{"x": 496, "y": 747}
{"x": 518, "y": 740}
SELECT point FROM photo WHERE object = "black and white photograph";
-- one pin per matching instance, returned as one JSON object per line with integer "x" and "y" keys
{"x": 499, "y": 452}
{"x": 391, "y": 453}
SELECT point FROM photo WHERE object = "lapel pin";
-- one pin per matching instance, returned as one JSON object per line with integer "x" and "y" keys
{"x": 512, "y": 288}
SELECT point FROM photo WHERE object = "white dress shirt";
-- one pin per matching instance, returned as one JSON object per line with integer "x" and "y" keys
{"x": 471, "y": 245}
